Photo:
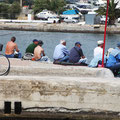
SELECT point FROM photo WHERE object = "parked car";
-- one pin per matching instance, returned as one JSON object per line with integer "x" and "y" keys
{"x": 54, "y": 19}
{"x": 118, "y": 20}
{"x": 70, "y": 20}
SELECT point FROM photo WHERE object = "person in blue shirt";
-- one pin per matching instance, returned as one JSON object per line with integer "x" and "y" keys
{"x": 61, "y": 53}
{"x": 113, "y": 61}
{"x": 76, "y": 54}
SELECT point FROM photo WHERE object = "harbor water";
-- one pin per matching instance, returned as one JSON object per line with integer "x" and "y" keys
{"x": 51, "y": 39}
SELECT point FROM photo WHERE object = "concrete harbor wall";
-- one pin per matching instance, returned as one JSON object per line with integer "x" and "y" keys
{"x": 67, "y": 90}
{"x": 72, "y": 93}
{"x": 63, "y": 27}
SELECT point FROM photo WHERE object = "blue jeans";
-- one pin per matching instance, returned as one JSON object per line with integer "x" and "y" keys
{"x": 64, "y": 59}
{"x": 10, "y": 56}
{"x": 13, "y": 55}
{"x": 44, "y": 58}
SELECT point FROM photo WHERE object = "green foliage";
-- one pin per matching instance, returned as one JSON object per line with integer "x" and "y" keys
{"x": 113, "y": 11}
{"x": 4, "y": 10}
{"x": 39, "y": 5}
{"x": 53, "y": 5}
{"x": 14, "y": 10}
{"x": 9, "y": 11}
{"x": 11, "y": 1}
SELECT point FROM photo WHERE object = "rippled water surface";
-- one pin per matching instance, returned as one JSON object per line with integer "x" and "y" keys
{"x": 51, "y": 39}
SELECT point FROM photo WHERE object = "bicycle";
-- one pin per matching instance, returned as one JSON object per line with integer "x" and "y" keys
{"x": 4, "y": 63}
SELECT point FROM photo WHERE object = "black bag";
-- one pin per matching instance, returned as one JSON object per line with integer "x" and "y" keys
{"x": 16, "y": 55}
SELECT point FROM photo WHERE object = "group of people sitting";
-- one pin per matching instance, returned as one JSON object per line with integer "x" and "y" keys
{"x": 75, "y": 55}
{"x": 34, "y": 50}
{"x": 111, "y": 58}
{"x": 62, "y": 54}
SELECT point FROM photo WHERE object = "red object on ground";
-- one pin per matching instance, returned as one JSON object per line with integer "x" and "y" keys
{"x": 105, "y": 33}
{"x": 33, "y": 59}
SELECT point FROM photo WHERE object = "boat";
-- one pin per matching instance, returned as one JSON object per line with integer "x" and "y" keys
{"x": 99, "y": 3}
{"x": 72, "y": 16}
{"x": 84, "y": 8}
{"x": 45, "y": 14}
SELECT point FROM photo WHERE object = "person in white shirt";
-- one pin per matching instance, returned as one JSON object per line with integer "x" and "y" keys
{"x": 99, "y": 49}
{"x": 98, "y": 52}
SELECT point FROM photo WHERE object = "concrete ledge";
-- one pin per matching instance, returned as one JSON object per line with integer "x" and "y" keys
{"x": 31, "y": 68}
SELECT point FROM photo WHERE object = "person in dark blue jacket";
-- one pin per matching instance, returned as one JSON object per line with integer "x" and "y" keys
{"x": 76, "y": 54}
{"x": 113, "y": 61}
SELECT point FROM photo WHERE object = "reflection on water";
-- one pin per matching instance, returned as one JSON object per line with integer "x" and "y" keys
{"x": 51, "y": 39}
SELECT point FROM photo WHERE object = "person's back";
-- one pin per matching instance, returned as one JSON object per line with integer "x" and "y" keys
{"x": 61, "y": 53}
{"x": 98, "y": 52}
{"x": 38, "y": 51}
{"x": 11, "y": 46}
{"x": 75, "y": 54}
{"x": 113, "y": 58}
{"x": 11, "y": 50}
{"x": 99, "y": 49}
{"x": 58, "y": 52}
{"x": 31, "y": 47}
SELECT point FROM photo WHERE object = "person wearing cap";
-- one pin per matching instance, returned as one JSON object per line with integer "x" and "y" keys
{"x": 76, "y": 54}
{"x": 39, "y": 54}
{"x": 11, "y": 48}
{"x": 61, "y": 53}
{"x": 31, "y": 47}
{"x": 113, "y": 61}
{"x": 99, "y": 48}
{"x": 97, "y": 58}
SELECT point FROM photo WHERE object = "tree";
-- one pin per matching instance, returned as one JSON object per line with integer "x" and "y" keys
{"x": 11, "y": 1}
{"x": 4, "y": 10}
{"x": 57, "y": 6}
{"x": 113, "y": 11}
{"x": 53, "y": 5}
{"x": 39, "y": 5}
{"x": 14, "y": 10}
{"x": 9, "y": 10}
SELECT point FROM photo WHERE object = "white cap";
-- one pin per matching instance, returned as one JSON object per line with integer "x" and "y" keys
{"x": 100, "y": 42}
{"x": 62, "y": 41}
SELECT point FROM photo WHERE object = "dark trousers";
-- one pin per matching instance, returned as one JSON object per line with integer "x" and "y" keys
{"x": 115, "y": 68}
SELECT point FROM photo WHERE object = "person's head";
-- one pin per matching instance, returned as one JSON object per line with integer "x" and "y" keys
{"x": 100, "y": 43}
{"x": 13, "y": 39}
{"x": 63, "y": 42}
{"x": 78, "y": 44}
{"x": 40, "y": 42}
{"x": 118, "y": 45}
{"x": 35, "y": 41}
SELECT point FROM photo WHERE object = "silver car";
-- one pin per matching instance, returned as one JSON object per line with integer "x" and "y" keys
{"x": 70, "y": 20}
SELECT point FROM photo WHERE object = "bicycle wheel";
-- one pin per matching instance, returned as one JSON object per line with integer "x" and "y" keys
{"x": 4, "y": 65}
